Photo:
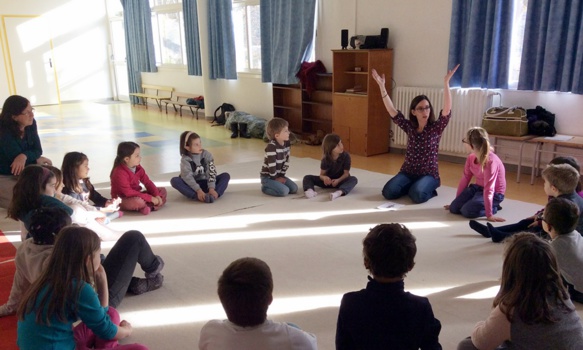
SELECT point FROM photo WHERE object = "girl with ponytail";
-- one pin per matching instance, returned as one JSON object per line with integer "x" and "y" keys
{"x": 483, "y": 197}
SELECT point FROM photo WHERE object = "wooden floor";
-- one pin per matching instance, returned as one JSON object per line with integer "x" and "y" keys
{"x": 96, "y": 128}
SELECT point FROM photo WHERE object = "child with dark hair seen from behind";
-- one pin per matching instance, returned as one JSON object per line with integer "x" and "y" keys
{"x": 559, "y": 221}
{"x": 384, "y": 316}
{"x": 33, "y": 254}
{"x": 246, "y": 290}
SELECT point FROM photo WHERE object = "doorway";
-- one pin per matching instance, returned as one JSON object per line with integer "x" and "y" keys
{"x": 30, "y": 61}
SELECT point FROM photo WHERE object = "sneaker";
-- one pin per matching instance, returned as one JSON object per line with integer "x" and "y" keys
{"x": 158, "y": 268}
{"x": 142, "y": 285}
{"x": 335, "y": 195}
{"x": 145, "y": 210}
{"x": 310, "y": 193}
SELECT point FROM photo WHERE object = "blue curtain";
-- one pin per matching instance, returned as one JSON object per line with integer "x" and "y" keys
{"x": 552, "y": 53}
{"x": 222, "y": 59}
{"x": 137, "y": 21}
{"x": 287, "y": 33}
{"x": 191, "y": 37}
{"x": 480, "y": 40}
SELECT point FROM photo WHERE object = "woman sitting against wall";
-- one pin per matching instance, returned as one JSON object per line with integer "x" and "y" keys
{"x": 19, "y": 144}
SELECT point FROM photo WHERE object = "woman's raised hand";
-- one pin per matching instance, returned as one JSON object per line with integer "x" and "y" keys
{"x": 450, "y": 74}
{"x": 380, "y": 79}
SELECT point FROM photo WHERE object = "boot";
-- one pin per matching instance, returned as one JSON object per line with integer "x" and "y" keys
{"x": 234, "y": 130}
{"x": 243, "y": 130}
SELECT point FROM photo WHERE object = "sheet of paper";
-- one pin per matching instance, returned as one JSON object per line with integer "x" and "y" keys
{"x": 390, "y": 206}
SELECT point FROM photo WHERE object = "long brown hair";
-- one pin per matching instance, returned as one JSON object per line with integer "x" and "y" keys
{"x": 478, "y": 138}
{"x": 13, "y": 106}
{"x": 57, "y": 289}
{"x": 71, "y": 162}
{"x": 27, "y": 190}
{"x": 124, "y": 149}
{"x": 531, "y": 285}
{"x": 328, "y": 144}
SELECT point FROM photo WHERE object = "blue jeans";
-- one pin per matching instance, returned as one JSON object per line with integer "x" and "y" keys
{"x": 222, "y": 181}
{"x": 419, "y": 188}
{"x": 470, "y": 203}
{"x": 276, "y": 188}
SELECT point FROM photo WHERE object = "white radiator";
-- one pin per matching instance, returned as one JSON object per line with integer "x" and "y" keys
{"x": 468, "y": 106}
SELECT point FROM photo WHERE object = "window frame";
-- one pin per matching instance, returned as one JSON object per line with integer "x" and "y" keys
{"x": 172, "y": 6}
{"x": 247, "y": 71}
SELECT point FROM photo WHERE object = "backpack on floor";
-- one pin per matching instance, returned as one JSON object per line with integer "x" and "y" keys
{"x": 221, "y": 118}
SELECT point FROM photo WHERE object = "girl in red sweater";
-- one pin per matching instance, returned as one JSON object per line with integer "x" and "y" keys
{"x": 127, "y": 176}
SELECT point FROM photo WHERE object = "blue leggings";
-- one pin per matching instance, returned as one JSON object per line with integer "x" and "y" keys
{"x": 187, "y": 191}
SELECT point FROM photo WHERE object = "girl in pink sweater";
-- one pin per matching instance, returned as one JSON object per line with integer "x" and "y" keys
{"x": 483, "y": 197}
{"x": 127, "y": 176}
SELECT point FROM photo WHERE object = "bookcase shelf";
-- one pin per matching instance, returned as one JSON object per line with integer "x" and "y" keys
{"x": 305, "y": 113}
{"x": 360, "y": 118}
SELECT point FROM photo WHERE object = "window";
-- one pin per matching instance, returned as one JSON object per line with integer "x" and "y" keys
{"x": 247, "y": 35}
{"x": 518, "y": 23}
{"x": 168, "y": 31}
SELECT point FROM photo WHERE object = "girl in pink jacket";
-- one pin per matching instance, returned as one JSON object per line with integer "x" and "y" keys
{"x": 127, "y": 178}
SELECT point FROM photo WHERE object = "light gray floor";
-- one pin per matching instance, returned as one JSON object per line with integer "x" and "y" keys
{"x": 314, "y": 250}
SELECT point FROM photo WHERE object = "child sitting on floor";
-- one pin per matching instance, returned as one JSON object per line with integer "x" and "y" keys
{"x": 384, "y": 316}
{"x": 559, "y": 221}
{"x": 127, "y": 176}
{"x": 245, "y": 290}
{"x": 482, "y": 198}
{"x": 76, "y": 183}
{"x": 276, "y": 160}
{"x": 198, "y": 174}
{"x": 334, "y": 170}
{"x": 130, "y": 250}
{"x": 561, "y": 180}
{"x": 532, "y": 310}
{"x": 35, "y": 188}
{"x": 74, "y": 287}
{"x": 85, "y": 214}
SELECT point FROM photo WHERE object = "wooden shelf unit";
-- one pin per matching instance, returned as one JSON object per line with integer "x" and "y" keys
{"x": 305, "y": 113}
{"x": 360, "y": 118}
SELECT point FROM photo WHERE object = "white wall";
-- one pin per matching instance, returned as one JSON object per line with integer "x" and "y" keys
{"x": 80, "y": 35}
{"x": 419, "y": 34}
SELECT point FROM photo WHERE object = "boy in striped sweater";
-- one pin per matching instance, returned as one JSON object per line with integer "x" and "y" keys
{"x": 276, "y": 160}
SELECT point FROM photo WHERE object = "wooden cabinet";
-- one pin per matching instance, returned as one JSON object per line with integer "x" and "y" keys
{"x": 359, "y": 115}
{"x": 305, "y": 113}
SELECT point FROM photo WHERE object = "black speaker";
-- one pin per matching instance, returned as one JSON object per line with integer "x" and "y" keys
{"x": 384, "y": 39}
{"x": 344, "y": 38}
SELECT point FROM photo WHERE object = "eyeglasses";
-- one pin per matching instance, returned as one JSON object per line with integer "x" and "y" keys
{"x": 31, "y": 112}
{"x": 423, "y": 109}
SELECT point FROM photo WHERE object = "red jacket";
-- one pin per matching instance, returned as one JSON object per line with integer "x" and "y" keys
{"x": 124, "y": 183}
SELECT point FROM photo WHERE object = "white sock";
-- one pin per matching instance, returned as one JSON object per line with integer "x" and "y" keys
{"x": 335, "y": 195}
{"x": 310, "y": 193}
